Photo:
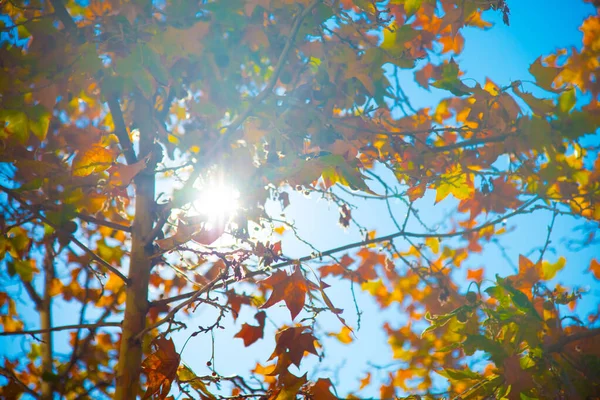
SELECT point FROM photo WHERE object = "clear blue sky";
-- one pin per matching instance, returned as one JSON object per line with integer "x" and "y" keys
{"x": 501, "y": 53}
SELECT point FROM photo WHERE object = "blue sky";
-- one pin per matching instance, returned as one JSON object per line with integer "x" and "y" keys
{"x": 502, "y": 53}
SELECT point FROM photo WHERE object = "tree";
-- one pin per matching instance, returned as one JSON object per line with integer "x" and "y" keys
{"x": 122, "y": 119}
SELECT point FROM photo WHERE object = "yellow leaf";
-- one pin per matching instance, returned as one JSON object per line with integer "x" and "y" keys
{"x": 454, "y": 182}
{"x": 433, "y": 244}
{"x": 95, "y": 159}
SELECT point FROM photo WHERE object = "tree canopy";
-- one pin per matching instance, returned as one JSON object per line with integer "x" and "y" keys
{"x": 154, "y": 154}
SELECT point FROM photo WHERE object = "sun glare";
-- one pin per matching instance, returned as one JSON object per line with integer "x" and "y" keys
{"x": 218, "y": 201}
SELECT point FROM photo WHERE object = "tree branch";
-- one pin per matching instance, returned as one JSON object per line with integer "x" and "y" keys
{"x": 349, "y": 246}
{"x": 83, "y": 247}
{"x": 103, "y": 222}
{"x": 62, "y": 328}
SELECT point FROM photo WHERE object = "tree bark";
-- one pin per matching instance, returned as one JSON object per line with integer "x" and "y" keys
{"x": 136, "y": 304}
{"x": 46, "y": 323}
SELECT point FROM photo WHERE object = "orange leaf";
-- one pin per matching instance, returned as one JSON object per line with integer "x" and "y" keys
{"x": 364, "y": 382}
{"x": 595, "y": 268}
{"x": 251, "y": 333}
{"x": 475, "y": 274}
{"x": 161, "y": 368}
{"x": 291, "y": 289}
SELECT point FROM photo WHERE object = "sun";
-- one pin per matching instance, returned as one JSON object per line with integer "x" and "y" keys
{"x": 218, "y": 201}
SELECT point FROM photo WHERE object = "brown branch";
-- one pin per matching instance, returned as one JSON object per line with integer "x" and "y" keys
{"x": 11, "y": 193}
{"x": 120, "y": 127}
{"x": 565, "y": 340}
{"x": 193, "y": 296}
{"x": 229, "y": 129}
{"x": 62, "y": 328}
{"x": 35, "y": 297}
{"x": 349, "y": 246}
{"x": 64, "y": 17}
{"x": 467, "y": 143}
{"x": 103, "y": 222}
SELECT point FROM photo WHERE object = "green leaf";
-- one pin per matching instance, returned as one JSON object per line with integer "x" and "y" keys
{"x": 394, "y": 38}
{"x": 450, "y": 81}
{"x": 567, "y": 100}
{"x": 518, "y": 298}
{"x": 412, "y": 6}
{"x": 483, "y": 343}
{"x": 39, "y": 121}
{"x": 438, "y": 321}
{"x": 460, "y": 374}
{"x": 25, "y": 269}
{"x": 16, "y": 123}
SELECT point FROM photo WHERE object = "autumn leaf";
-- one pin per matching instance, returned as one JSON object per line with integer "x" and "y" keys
{"x": 291, "y": 344}
{"x": 454, "y": 182}
{"x": 161, "y": 368}
{"x": 251, "y": 333}
{"x": 321, "y": 389}
{"x": 475, "y": 274}
{"x": 594, "y": 268}
{"x": 186, "y": 376}
{"x": 95, "y": 159}
{"x": 288, "y": 288}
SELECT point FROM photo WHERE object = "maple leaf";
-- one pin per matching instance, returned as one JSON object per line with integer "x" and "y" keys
{"x": 291, "y": 344}
{"x": 251, "y": 333}
{"x": 454, "y": 182}
{"x": 161, "y": 368}
{"x": 288, "y": 288}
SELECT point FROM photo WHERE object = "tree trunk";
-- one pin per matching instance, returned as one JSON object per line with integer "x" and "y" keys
{"x": 136, "y": 304}
{"x": 46, "y": 323}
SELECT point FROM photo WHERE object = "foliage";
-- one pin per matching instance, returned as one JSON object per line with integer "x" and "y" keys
{"x": 116, "y": 116}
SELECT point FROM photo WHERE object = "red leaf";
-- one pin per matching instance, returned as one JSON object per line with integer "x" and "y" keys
{"x": 290, "y": 289}
{"x": 292, "y": 343}
{"x": 251, "y": 333}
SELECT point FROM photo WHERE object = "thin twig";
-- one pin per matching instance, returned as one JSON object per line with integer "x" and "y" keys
{"x": 350, "y": 246}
